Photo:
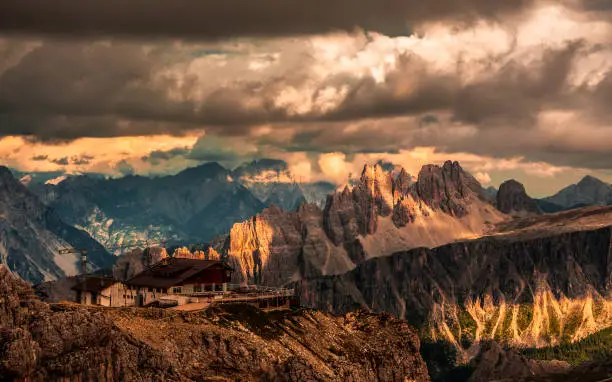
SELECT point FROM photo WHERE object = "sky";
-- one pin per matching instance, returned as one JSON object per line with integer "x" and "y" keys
{"x": 509, "y": 88}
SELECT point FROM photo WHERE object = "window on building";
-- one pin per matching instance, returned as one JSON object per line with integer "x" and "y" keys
{"x": 208, "y": 288}
{"x": 218, "y": 287}
{"x": 164, "y": 290}
{"x": 158, "y": 290}
{"x": 150, "y": 289}
{"x": 176, "y": 290}
{"x": 197, "y": 288}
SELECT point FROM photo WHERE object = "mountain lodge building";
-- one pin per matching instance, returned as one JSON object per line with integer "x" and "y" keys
{"x": 179, "y": 283}
{"x": 178, "y": 277}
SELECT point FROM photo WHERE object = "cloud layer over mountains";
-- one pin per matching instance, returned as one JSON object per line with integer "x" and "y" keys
{"x": 522, "y": 82}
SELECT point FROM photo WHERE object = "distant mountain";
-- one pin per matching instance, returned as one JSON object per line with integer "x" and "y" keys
{"x": 194, "y": 205}
{"x": 490, "y": 193}
{"x": 384, "y": 213}
{"x": 590, "y": 191}
{"x": 42, "y": 177}
{"x": 181, "y": 207}
{"x": 513, "y": 199}
{"x": 31, "y": 235}
{"x": 272, "y": 182}
{"x": 223, "y": 211}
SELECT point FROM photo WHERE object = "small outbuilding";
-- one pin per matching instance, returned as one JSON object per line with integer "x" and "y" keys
{"x": 95, "y": 290}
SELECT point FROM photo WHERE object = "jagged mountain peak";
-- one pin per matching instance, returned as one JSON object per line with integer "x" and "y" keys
{"x": 381, "y": 214}
{"x": 512, "y": 198}
{"x": 590, "y": 181}
{"x": 210, "y": 169}
{"x": 384, "y": 173}
{"x": 444, "y": 187}
{"x": 373, "y": 172}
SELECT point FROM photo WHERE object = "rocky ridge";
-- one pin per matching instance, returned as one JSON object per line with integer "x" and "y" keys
{"x": 512, "y": 199}
{"x": 41, "y": 342}
{"x": 384, "y": 212}
{"x": 536, "y": 282}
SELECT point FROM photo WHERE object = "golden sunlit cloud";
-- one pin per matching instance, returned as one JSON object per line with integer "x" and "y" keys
{"x": 86, "y": 154}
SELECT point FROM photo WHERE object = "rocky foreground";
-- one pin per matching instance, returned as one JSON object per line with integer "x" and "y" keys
{"x": 41, "y": 342}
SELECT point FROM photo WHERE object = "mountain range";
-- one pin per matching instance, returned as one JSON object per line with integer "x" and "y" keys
{"x": 383, "y": 213}
{"x": 590, "y": 191}
{"x": 31, "y": 234}
{"x": 275, "y": 229}
{"x": 461, "y": 263}
{"x": 194, "y": 205}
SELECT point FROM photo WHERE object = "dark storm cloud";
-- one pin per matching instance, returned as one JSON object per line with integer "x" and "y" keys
{"x": 157, "y": 156}
{"x": 517, "y": 93}
{"x": 81, "y": 160}
{"x": 207, "y": 19}
{"x": 60, "y": 161}
{"x": 513, "y": 94}
{"x": 363, "y": 138}
{"x": 65, "y": 161}
{"x": 109, "y": 89}
{"x": 64, "y": 90}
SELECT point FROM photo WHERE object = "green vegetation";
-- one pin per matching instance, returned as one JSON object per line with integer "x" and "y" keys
{"x": 504, "y": 333}
{"x": 490, "y": 324}
{"x": 451, "y": 320}
{"x": 574, "y": 318}
{"x": 468, "y": 325}
{"x": 524, "y": 317}
{"x": 598, "y": 307}
{"x": 441, "y": 360}
{"x": 554, "y": 325}
{"x": 595, "y": 346}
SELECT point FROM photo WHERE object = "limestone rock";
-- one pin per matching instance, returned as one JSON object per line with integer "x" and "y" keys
{"x": 493, "y": 363}
{"x": 513, "y": 199}
{"x": 384, "y": 212}
{"x": 524, "y": 285}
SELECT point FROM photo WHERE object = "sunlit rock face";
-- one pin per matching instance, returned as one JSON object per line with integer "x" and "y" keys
{"x": 384, "y": 212}
{"x": 534, "y": 283}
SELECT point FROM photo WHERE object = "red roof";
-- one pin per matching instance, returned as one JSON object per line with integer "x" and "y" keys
{"x": 172, "y": 271}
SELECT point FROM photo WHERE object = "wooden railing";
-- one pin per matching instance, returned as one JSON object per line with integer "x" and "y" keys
{"x": 237, "y": 290}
